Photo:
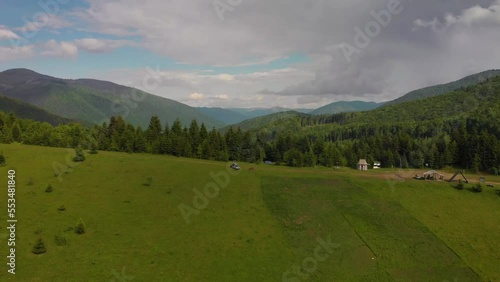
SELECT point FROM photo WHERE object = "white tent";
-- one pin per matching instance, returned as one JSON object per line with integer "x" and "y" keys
{"x": 433, "y": 175}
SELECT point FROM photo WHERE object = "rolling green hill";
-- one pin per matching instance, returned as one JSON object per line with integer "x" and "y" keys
{"x": 93, "y": 100}
{"x": 260, "y": 112}
{"x": 445, "y": 88}
{"x": 233, "y": 116}
{"x": 460, "y": 102}
{"x": 289, "y": 120}
{"x": 25, "y": 110}
{"x": 346, "y": 107}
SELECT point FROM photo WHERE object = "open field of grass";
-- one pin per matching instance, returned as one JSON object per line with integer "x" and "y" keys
{"x": 272, "y": 224}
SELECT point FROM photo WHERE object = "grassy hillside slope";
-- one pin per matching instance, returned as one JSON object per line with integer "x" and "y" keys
{"x": 256, "y": 228}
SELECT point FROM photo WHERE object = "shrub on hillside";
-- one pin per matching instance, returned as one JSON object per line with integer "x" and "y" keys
{"x": 495, "y": 170}
{"x": 149, "y": 181}
{"x": 49, "y": 189}
{"x": 61, "y": 208}
{"x": 93, "y": 149}
{"x": 460, "y": 186}
{"x": 2, "y": 159}
{"x": 80, "y": 156}
{"x": 80, "y": 227}
{"x": 477, "y": 188}
{"x": 497, "y": 192}
{"x": 39, "y": 247}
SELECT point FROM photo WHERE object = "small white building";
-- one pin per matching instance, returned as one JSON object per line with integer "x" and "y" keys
{"x": 362, "y": 165}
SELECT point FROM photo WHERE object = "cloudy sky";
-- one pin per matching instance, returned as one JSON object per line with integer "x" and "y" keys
{"x": 255, "y": 53}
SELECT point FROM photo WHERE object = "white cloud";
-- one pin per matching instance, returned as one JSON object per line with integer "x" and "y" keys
{"x": 468, "y": 17}
{"x": 225, "y": 77}
{"x": 47, "y": 21}
{"x": 61, "y": 49}
{"x": 16, "y": 53}
{"x": 434, "y": 24}
{"x": 196, "y": 96}
{"x": 221, "y": 97}
{"x": 6, "y": 33}
{"x": 95, "y": 45}
{"x": 209, "y": 90}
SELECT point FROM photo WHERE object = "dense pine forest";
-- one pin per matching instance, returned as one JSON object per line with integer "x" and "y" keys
{"x": 458, "y": 129}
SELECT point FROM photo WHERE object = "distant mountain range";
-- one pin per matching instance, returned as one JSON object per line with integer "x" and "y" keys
{"x": 40, "y": 97}
{"x": 258, "y": 112}
{"x": 224, "y": 115}
{"x": 93, "y": 101}
{"x": 236, "y": 115}
{"x": 276, "y": 119}
{"x": 346, "y": 107}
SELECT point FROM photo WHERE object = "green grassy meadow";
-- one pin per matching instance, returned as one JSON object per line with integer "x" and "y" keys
{"x": 262, "y": 225}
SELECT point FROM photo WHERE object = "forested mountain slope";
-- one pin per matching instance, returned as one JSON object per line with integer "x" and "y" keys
{"x": 94, "y": 100}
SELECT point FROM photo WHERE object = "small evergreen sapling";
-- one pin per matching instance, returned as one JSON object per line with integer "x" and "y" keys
{"x": 39, "y": 247}
{"x": 80, "y": 156}
{"x": 80, "y": 228}
{"x": 2, "y": 159}
{"x": 477, "y": 188}
{"x": 93, "y": 149}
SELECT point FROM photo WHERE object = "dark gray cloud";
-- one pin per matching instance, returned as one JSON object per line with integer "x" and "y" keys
{"x": 404, "y": 56}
